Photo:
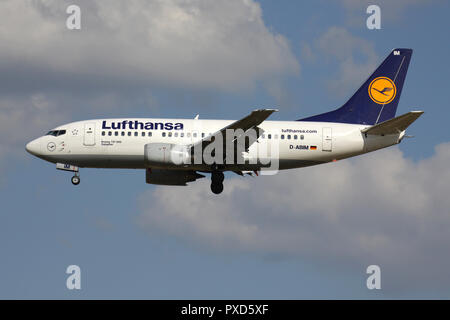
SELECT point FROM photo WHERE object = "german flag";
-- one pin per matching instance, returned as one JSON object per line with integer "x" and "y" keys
{"x": 313, "y": 147}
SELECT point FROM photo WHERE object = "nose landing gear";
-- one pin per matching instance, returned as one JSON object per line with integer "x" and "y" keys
{"x": 217, "y": 178}
{"x": 68, "y": 167}
{"x": 75, "y": 179}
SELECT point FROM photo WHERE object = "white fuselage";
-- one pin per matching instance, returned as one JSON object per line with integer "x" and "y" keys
{"x": 120, "y": 143}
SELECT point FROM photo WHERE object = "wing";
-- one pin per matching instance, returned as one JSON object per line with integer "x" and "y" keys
{"x": 249, "y": 122}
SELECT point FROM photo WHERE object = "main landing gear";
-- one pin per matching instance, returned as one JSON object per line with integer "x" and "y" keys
{"x": 217, "y": 178}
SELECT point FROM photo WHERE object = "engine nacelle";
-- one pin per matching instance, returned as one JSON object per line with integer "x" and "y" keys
{"x": 166, "y": 154}
{"x": 171, "y": 177}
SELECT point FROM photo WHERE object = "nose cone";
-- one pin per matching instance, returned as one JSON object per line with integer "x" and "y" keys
{"x": 34, "y": 147}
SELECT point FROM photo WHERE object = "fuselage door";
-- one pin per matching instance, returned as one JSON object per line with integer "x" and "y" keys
{"x": 89, "y": 134}
{"x": 326, "y": 139}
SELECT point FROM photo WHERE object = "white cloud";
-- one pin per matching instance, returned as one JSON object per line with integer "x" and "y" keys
{"x": 25, "y": 117}
{"x": 196, "y": 44}
{"x": 355, "y": 58}
{"x": 380, "y": 209}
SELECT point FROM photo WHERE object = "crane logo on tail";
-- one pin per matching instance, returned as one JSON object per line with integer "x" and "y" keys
{"x": 382, "y": 90}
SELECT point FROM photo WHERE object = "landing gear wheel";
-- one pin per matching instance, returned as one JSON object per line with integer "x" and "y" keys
{"x": 217, "y": 178}
{"x": 75, "y": 180}
{"x": 216, "y": 187}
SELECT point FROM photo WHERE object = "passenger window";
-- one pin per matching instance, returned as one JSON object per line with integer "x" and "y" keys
{"x": 194, "y": 134}
{"x": 129, "y": 133}
{"x": 169, "y": 134}
{"x": 188, "y": 134}
{"x": 103, "y": 133}
{"x": 295, "y": 137}
{"x": 302, "y": 137}
{"x": 143, "y": 133}
{"x": 135, "y": 133}
{"x": 116, "y": 133}
{"x": 203, "y": 134}
{"x": 123, "y": 133}
{"x": 269, "y": 136}
{"x": 182, "y": 134}
{"x": 289, "y": 137}
{"x": 163, "y": 134}
{"x": 109, "y": 133}
{"x": 175, "y": 134}
{"x": 149, "y": 133}
{"x": 282, "y": 136}
{"x": 262, "y": 136}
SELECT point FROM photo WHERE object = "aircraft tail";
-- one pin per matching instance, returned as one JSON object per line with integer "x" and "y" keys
{"x": 377, "y": 99}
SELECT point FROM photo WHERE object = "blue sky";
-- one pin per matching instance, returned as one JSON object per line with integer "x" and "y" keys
{"x": 134, "y": 240}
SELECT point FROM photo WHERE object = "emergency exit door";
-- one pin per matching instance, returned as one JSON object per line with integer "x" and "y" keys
{"x": 327, "y": 139}
{"x": 89, "y": 134}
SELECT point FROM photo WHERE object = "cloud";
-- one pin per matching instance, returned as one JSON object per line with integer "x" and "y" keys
{"x": 380, "y": 208}
{"x": 24, "y": 117}
{"x": 222, "y": 45}
{"x": 355, "y": 58}
{"x": 21, "y": 120}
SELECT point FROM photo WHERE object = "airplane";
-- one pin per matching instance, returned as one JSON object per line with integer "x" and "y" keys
{"x": 173, "y": 151}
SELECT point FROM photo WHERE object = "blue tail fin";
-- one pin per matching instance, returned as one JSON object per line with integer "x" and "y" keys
{"x": 377, "y": 99}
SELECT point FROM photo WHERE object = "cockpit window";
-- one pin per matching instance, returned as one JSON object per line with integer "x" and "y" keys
{"x": 56, "y": 133}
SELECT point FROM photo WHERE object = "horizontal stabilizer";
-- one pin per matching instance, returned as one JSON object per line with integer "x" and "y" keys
{"x": 394, "y": 125}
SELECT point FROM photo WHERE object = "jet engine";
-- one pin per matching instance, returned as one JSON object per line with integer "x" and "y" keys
{"x": 165, "y": 155}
